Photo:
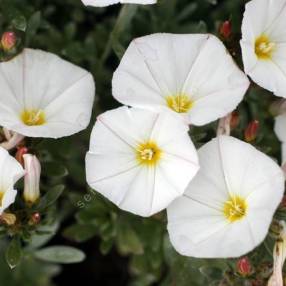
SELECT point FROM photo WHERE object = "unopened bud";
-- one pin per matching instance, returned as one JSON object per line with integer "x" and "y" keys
{"x": 32, "y": 179}
{"x": 8, "y": 41}
{"x": 19, "y": 154}
{"x": 279, "y": 256}
{"x": 8, "y": 218}
{"x": 225, "y": 29}
{"x": 251, "y": 131}
{"x": 234, "y": 120}
{"x": 35, "y": 218}
{"x": 244, "y": 266}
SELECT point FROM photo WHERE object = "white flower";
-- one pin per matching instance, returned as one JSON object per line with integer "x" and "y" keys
{"x": 10, "y": 172}
{"x": 280, "y": 130}
{"x": 264, "y": 44}
{"x": 193, "y": 75}
{"x": 44, "y": 96}
{"x": 32, "y": 178}
{"x": 140, "y": 160}
{"x": 103, "y": 3}
{"x": 228, "y": 207}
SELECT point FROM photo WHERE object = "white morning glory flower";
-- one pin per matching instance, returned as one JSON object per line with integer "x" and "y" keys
{"x": 44, "y": 96}
{"x": 140, "y": 160}
{"x": 280, "y": 130}
{"x": 264, "y": 44}
{"x": 193, "y": 75}
{"x": 228, "y": 207}
{"x": 10, "y": 172}
{"x": 103, "y": 3}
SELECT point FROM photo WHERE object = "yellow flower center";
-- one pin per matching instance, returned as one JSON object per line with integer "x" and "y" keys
{"x": 33, "y": 117}
{"x": 235, "y": 208}
{"x": 264, "y": 48}
{"x": 148, "y": 153}
{"x": 180, "y": 103}
{"x": 1, "y": 197}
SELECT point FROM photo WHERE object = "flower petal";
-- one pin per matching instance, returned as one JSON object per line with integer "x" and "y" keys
{"x": 103, "y": 3}
{"x": 8, "y": 199}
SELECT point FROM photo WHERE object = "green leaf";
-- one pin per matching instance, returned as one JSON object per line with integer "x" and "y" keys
{"x": 105, "y": 246}
{"x": 54, "y": 169}
{"x": 50, "y": 197}
{"x": 19, "y": 23}
{"x": 14, "y": 253}
{"x": 125, "y": 17}
{"x": 43, "y": 234}
{"x": 80, "y": 233}
{"x": 60, "y": 254}
{"x": 32, "y": 27}
{"x": 128, "y": 240}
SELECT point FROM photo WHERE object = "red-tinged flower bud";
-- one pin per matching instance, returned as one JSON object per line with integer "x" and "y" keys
{"x": 251, "y": 131}
{"x": 234, "y": 121}
{"x": 19, "y": 154}
{"x": 244, "y": 266}
{"x": 8, "y": 40}
{"x": 225, "y": 29}
{"x": 35, "y": 218}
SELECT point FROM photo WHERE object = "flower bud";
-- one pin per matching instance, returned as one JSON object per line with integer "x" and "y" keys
{"x": 8, "y": 218}
{"x": 19, "y": 154}
{"x": 244, "y": 266}
{"x": 8, "y": 40}
{"x": 251, "y": 131}
{"x": 279, "y": 257}
{"x": 234, "y": 120}
{"x": 225, "y": 29}
{"x": 35, "y": 218}
{"x": 32, "y": 178}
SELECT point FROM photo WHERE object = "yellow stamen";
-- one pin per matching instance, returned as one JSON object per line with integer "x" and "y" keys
{"x": 180, "y": 103}
{"x": 235, "y": 208}
{"x": 264, "y": 48}
{"x": 148, "y": 153}
{"x": 33, "y": 117}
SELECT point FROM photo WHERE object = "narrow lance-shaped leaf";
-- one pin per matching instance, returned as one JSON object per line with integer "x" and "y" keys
{"x": 14, "y": 253}
{"x": 60, "y": 254}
